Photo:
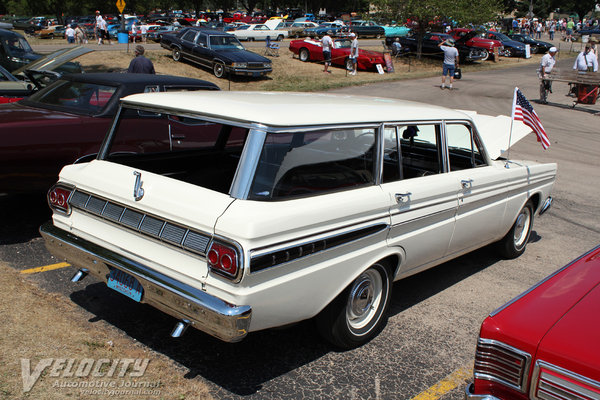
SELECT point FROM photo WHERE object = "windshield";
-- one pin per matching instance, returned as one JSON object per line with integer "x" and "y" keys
{"x": 15, "y": 44}
{"x": 225, "y": 42}
{"x": 78, "y": 97}
{"x": 342, "y": 44}
{"x": 501, "y": 36}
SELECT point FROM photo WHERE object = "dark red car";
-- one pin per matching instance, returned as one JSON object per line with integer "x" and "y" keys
{"x": 544, "y": 343}
{"x": 470, "y": 38}
{"x": 66, "y": 122}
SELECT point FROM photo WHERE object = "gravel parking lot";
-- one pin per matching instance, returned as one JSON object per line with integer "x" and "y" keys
{"x": 435, "y": 316}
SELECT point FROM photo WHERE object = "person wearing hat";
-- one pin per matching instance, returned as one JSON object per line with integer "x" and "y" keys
{"x": 70, "y": 34}
{"x": 450, "y": 61}
{"x": 546, "y": 64}
{"x": 140, "y": 64}
{"x": 353, "y": 53}
{"x": 586, "y": 60}
{"x": 327, "y": 44}
{"x": 101, "y": 29}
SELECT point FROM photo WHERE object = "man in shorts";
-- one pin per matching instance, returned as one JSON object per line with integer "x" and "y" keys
{"x": 327, "y": 44}
{"x": 101, "y": 29}
{"x": 450, "y": 61}
{"x": 353, "y": 53}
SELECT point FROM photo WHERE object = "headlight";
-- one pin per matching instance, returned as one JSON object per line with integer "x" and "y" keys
{"x": 267, "y": 65}
{"x": 240, "y": 65}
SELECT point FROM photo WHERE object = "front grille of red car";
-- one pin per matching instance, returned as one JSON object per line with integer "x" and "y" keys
{"x": 555, "y": 383}
{"x": 501, "y": 363}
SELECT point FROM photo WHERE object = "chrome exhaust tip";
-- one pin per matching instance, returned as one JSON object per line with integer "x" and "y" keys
{"x": 180, "y": 328}
{"x": 79, "y": 275}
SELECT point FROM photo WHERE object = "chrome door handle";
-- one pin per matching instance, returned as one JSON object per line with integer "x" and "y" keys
{"x": 466, "y": 183}
{"x": 402, "y": 197}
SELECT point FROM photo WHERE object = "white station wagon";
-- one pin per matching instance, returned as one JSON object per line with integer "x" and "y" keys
{"x": 237, "y": 212}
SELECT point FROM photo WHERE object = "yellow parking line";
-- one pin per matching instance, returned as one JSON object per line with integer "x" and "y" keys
{"x": 45, "y": 268}
{"x": 445, "y": 385}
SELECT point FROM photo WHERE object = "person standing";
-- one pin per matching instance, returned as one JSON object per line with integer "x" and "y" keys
{"x": 140, "y": 64}
{"x": 80, "y": 35}
{"x": 101, "y": 29}
{"x": 570, "y": 26}
{"x": 70, "y": 34}
{"x": 354, "y": 53}
{"x": 546, "y": 64}
{"x": 586, "y": 60}
{"x": 144, "y": 32}
{"x": 133, "y": 32}
{"x": 450, "y": 61}
{"x": 327, "y": 44}
{"x": 551, "y": 29}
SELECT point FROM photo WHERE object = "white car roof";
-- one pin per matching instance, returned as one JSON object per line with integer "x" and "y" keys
{"x": 286, "y": 109}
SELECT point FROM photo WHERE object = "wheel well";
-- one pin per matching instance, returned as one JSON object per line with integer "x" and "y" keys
{"x": 392, "y": 263}
{"x": 535, "y": 200}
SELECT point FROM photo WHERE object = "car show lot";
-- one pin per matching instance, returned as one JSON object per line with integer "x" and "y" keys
{"x": 426, "y": 350}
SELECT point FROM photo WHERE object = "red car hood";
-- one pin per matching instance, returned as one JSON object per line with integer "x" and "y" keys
{"x": 572, "y": 343}
{"x": 550, "y": 308}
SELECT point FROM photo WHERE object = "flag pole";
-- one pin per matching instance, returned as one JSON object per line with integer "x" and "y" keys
{"x": 512, "y": 120}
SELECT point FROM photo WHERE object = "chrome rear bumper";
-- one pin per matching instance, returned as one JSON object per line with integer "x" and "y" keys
{"x": 207, "y": 313}
{"x": 470, "y": 396}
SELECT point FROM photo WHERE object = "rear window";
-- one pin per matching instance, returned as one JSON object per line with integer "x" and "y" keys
{"x": 307, "y": 163}
{"x": 192, "y": 150}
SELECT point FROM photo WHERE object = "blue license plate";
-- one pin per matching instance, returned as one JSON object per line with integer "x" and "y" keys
{"x": 125, "y": 284}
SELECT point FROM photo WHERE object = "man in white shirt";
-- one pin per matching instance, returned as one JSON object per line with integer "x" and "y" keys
{"x": 586, "y": 60}
{"x": 354, "y": 53}
{"x": 327, "y": 44}
{"x": 450, "y": 61}
{"x": 133, "y": 32}
{"x": 70, "y": 34}
{"x": 546, "y": 65}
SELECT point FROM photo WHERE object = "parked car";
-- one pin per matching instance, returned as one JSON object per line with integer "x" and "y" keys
{"x": 396, "y": 30}
{"x": 323, "y": 28}
{"x": 542, "y": 344}
{"x": 512, "y": 48}
{"x": 39, "y": 73}
{"x": 430, "y": 46}
{"x": 221, "y": 52}
{"x": 241, "y": 211}
{"x": 537, "y": 46}
{"x": 471, "y": 38}
{"x": 52, "y": 31}
{"x": 312, "y": 50}
{"x": 66, "y": 122}
{"x": 591, "y": 32}
{"x": 297, "y": 28}
{"x": 258, "y": 32}
{"x": 366, "y": 29}
{"x": 156, "y": 35}
{"x": 15, "y": 51}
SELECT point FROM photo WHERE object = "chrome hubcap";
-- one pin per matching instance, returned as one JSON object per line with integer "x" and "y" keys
{"x": 522, "y": 227}
{"x": 363, "y": 301}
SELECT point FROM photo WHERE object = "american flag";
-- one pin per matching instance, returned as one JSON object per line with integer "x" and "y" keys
{"x": 523, "y": 111}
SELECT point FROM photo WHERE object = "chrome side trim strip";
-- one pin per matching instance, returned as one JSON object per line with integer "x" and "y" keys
{"x": 550, "y": 390}
{"x": 207, "y": 313}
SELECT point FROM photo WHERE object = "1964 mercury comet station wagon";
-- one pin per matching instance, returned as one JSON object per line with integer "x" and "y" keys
{"x": 236, "y": 213}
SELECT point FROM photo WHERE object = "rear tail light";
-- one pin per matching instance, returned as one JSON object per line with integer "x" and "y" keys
{"x": 501, "y": 363}
{"x": 58, "y": 198}
{"x": 223, "y": 259}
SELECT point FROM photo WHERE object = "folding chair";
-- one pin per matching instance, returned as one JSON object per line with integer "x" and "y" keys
{"x": 271, "y": 49}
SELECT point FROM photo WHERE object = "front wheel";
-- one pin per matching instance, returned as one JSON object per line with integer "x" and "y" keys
{"x": 219, "y": 69}
{"x": 515, "y": 241}
{"x": 486, "y": 55}
{"x": 176, "y": 54}
{"x": 359, "y": 313}
{"x": 279, "y": 38}
{"x": 304, "y": 54}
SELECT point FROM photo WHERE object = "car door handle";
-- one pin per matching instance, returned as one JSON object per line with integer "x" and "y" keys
{"x": 178, "y": 137}
{"x": 402, "y": 197}
{"x": 466, "y": 183}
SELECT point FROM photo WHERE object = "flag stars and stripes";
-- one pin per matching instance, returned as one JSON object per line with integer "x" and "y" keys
{"x": 523, "y": 111}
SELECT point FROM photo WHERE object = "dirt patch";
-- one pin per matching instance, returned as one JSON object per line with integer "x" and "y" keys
{"x": 46, "y": 330}
{"x": 289, "y": 73}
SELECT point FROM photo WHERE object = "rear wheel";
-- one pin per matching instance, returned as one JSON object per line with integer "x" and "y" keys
{"x": 279, "y": 38}
{"x": 176, "y": 54}
{"x": 304, "y": 54}
{"x": 515, "y": 241}
{"x": 250, "y": 39}
{"x": 219, "y": 69}
{"x": 359, "y": 313}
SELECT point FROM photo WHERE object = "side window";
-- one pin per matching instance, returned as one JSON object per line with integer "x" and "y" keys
{"x": 419, "y": 155}
{"x": 297, "y": 164}
{"x": 202, "y": 39}
{"x": 189, "y": 36}
{"x": 463, "y": 151}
